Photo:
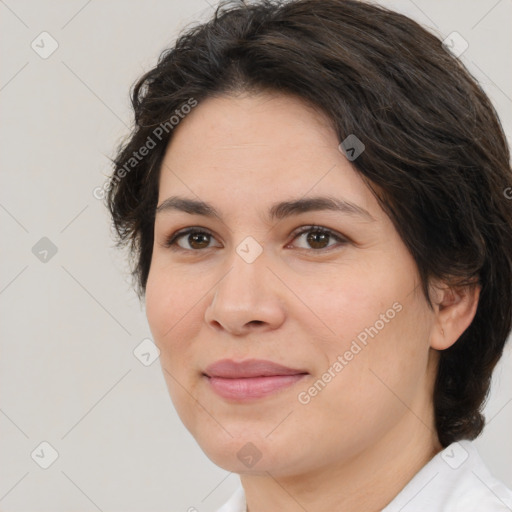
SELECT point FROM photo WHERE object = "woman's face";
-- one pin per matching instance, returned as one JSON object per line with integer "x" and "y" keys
{"x": 342, "y": 306}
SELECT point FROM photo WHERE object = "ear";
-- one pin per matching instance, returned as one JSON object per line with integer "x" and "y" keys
{"x": 454, "y": 310}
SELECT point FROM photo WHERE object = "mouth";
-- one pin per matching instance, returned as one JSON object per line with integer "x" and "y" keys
{"x": 250, "y": 379}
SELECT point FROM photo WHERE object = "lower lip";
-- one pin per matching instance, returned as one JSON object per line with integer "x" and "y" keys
{"x": 252, "y": 387}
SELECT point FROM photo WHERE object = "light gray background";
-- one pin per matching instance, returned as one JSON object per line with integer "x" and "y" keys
{"x": 69, "y": 326}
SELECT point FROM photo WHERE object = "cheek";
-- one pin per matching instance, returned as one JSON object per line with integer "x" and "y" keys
{"x": 169, "y": 300}
{"x": 377, "y": 359}
{"x": 371, "y": 385}
{"x": 344, "y": 302}
{"x": 159, "y": 310}
{"x": 376, "y": 326}
{"x": 169, "y": 310}
{"x": 369, "y": 298}
{"x": 170, "y": 306}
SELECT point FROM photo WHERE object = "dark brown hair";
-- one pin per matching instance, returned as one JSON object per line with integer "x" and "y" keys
{"x": 435, "y": 153}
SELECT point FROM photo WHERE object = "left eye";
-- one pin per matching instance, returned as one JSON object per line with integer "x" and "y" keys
{"x": 319, "y": 238}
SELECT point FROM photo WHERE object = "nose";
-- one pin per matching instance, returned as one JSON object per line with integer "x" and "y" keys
{"x": 248, "y": 298}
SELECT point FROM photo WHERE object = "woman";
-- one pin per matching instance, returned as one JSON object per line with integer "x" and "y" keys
{"x": 314, "y": 198}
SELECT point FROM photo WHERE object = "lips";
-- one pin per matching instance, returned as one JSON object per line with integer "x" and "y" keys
{"x": 229, "y": 369}
{"x": 251, "y": 379}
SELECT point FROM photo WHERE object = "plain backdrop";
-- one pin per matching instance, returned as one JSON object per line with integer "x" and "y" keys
{"x": 69, "y": 320}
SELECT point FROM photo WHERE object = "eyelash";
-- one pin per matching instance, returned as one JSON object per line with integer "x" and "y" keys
{"x": 170, "y": 242}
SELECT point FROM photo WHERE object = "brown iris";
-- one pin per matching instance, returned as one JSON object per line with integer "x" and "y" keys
{"x": 201, "y": 239}
{"x": 318, "y": 239}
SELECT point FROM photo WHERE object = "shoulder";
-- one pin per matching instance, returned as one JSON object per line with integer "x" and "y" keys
{"x": 455, "y": 480}
{"x": 476, "y": 488}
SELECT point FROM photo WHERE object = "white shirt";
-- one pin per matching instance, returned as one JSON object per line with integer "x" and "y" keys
{"x": 454, "y": 480}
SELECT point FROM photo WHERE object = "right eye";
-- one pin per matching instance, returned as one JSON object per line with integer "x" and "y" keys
{"x": 195, "y": 238}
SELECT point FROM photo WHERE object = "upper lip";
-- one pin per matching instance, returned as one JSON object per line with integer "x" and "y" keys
{"x": 227, "y": 368}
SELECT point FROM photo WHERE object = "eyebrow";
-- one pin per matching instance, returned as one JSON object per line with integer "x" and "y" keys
{"x": 277, "y": 211}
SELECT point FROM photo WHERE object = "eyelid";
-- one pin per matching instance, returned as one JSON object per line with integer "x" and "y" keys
{"x": 316, "y": 227}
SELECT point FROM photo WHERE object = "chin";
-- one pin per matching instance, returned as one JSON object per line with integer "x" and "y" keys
{"x": 240, "y": 452}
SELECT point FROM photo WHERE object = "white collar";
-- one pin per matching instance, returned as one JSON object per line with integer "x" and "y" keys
{"x": 454, "y": 480}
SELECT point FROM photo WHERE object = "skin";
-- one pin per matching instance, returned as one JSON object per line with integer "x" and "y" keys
{"x": 298, "y": 304}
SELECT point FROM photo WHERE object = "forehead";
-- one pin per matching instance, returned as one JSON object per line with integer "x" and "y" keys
{"x": 229, "y": 129}
{"x": 257, "y": 148}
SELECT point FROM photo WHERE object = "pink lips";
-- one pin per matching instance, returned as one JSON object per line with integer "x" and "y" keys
{"x": 250, "y": 379}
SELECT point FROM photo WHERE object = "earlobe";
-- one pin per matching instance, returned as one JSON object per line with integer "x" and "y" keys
{"x": 455, "y": 309}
